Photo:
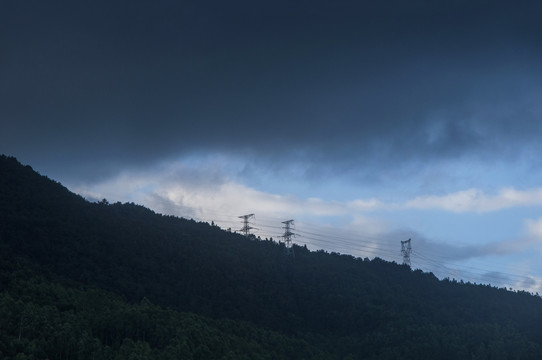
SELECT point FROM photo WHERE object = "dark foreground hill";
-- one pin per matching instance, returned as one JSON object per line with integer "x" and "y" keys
{"x": 85, "y": 280}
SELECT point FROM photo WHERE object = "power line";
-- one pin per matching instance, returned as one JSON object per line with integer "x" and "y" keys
{"x": 351, "y": 242}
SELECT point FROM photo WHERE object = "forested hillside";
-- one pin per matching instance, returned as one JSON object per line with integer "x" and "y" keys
{"x": 84, "y": 280}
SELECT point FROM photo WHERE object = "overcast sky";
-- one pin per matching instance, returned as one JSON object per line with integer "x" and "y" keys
{"x": 367, "y": 122}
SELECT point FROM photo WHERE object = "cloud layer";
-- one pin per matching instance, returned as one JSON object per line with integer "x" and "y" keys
{"x": 475, "y": 200}
{"x": 347, "y": 87}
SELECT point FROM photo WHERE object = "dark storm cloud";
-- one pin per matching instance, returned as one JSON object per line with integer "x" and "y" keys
{"x": 135, "y": 81}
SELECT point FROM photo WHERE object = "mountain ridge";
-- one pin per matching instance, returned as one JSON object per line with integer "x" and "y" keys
{"x": 130, "y": 251}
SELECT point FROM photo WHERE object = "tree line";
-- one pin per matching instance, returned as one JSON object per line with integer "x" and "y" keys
{"x": 121, "y": 280}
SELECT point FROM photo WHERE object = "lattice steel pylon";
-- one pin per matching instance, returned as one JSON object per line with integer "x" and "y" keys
{"x": 287, "y": 236}
{"x": 246, "y": 224}
{"x": 406, "y": 249}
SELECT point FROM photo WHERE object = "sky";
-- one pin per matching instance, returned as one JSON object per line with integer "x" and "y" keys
{"x": 367, "y": 122}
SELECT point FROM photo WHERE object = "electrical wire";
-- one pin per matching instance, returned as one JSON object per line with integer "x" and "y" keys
{"x": 330, "y": 239}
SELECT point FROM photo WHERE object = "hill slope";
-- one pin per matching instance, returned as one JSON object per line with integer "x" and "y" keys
{"x": 333, "y": 305}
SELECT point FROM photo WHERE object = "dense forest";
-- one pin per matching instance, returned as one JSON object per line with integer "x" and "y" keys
{"x": 83, "y": 280}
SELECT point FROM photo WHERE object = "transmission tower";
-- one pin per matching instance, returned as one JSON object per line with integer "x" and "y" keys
{"x": 406, "y": 249}
{"x": 287, "y": 236}
{"x": 246, "y": 224}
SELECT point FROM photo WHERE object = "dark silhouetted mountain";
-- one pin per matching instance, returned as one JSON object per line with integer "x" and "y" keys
{"x": 118, "y": 279}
